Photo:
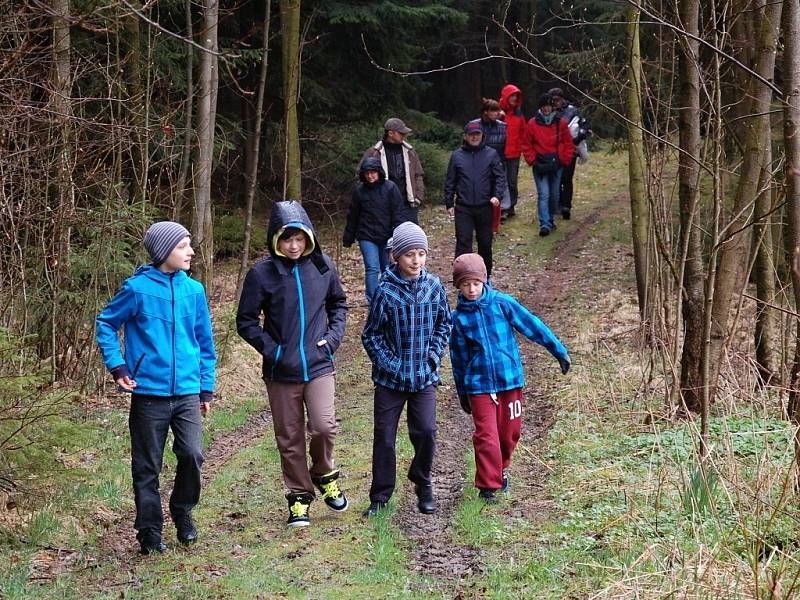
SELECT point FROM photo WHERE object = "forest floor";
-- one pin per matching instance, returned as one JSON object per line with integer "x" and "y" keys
{"x": 592, "y": 512}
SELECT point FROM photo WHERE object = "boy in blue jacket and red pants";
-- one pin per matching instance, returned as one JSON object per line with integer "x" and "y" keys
{"x": 169, "y": 368}
{"x": 487, "y": 368}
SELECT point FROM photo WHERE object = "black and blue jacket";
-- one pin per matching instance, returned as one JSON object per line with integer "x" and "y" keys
{"x": 474, "y": 175}
{"x": 302, "y": 302}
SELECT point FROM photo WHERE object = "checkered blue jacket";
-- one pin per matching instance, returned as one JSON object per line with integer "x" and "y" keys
{"x": 483, "y": 348}
{"x": 407, "y": 331}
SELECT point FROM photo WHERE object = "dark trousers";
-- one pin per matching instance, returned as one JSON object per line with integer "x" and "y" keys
{"x": 565, "y": 198}
{"x": 477, "y": 220}
{"x": 512, "y": 175}
{"x": 421, "y": 415}
{"x": 150, "y": 418}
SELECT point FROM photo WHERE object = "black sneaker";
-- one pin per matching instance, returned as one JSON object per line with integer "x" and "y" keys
{"x": 187, "y": 532}
{"x": 506, "y": 482}
{"x": 544, "y": 231}
{"x": 374, "y": 509}
{"x": 488, "y": 496}
{"x": 150, "y": 543}
{"x": 426, "y": 503}
{"x": 331, "y": 494}
{"x": 299, "y": 503}
{"x": 565, "y": 214}
{"x": 511, "y": 213}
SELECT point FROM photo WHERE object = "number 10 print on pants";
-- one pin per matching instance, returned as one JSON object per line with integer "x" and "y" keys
{"x": 497, "y": 428}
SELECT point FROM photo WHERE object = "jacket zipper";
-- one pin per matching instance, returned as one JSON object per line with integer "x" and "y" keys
{"x": 414, "y": 329}
{"x": 301, "y": 307}
{"x": 172, "y": 294}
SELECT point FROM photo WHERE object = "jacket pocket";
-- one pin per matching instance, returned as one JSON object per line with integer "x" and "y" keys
{"x": 275, "y": 360}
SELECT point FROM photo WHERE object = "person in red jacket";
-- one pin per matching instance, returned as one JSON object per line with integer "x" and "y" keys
{"x": 551, "y": 149}
{"x": 516, "y": 140}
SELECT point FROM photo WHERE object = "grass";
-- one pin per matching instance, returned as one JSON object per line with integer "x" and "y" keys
{"x": 624, "y": 511}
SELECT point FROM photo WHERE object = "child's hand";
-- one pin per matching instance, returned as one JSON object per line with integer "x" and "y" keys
{"x": 205, "y": 408}
{"x": 565, "y": 365}
{"x": 126, "y": 383}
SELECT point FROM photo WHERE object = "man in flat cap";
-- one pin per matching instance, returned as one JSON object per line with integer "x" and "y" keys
{"x": 401, "y": 165}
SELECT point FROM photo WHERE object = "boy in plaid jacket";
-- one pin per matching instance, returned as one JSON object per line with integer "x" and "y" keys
{"x": 487, "y": 368}
{"x": 405, "y": 337}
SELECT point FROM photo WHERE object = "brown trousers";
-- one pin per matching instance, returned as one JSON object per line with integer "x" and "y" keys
{"x": 287, "y": 402}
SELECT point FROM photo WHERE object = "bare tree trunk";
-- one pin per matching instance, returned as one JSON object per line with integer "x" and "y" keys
{"x": 252, "y": 175}
{"x": 767, "y": 341}
{"x": 61, "y": 234}
{"x": 636, "y": 161}
{"x": 202, "y": 224}
{"x": 791, "y": 141}
{"x": 732, "y": 272}
{"x": 290, "y": 31}
{"x": 131, "y": 41}
{"x": 183, "y": 173}
{"x": 688, "y": 178}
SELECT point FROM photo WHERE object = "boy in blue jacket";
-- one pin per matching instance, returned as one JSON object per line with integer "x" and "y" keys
{"x": 405, "y": 337}
{"x": 487, "y": 368}
{"x": 169, "y": 368}
{"x": 297, "y": 294}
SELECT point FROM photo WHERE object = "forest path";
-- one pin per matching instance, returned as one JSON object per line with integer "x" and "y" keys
{"x": 242, "y": 513}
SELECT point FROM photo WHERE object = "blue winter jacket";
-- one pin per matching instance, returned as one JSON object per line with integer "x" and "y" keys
{"x": 406, "y": 331}
{"x": 169, "y": 344}
{"x": 483, "y": 349}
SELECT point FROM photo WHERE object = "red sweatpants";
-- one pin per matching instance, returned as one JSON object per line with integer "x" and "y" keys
{"x": 497, "y": 429}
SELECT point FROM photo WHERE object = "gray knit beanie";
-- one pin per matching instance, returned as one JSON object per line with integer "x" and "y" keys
{"x": 161, "y": 239}
{"x": 408, "y": 236}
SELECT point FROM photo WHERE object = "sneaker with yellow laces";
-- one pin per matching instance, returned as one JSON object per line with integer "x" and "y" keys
{"x": 331, "y": 494}
{"x": 299, "y": 503}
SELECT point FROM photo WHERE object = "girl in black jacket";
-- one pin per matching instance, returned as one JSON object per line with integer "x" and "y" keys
{"x": 376, "y": 208}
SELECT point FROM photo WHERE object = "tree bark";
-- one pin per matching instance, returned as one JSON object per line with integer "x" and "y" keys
{"x": 791, "y": 141}
{"x": 636, "y": 160}
{"x": 130, "y": 36}
{"x": 767, "y": 342}
{"x": 290, "y": 32}
{"x": 252, "y": 175}
{"x": 183, "y": 172}
{"x": 202, "y": 223}
{"x": 692, "y": 296}
{"x": 732, "y": 272}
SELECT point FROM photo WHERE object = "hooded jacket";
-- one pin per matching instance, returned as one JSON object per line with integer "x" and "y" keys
{"x": 549, "y": 138}
{"x": 483, "y": 349}
{"x": 415, "y": 184}
{"x": 406, "y": 331}
{"x": 474, "y": 175}
{"x": 375, "y": 209}
{"x": 516, "y": 141}
{"x": 169, "y": 344}
{"x": 302, "y": 303}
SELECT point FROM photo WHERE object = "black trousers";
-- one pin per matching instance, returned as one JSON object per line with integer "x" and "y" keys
{"x": 421, "y": 415}
{"x": 565, "y": 199}
{"x": 477, "y": 220}
{"x": 150, "y": 418}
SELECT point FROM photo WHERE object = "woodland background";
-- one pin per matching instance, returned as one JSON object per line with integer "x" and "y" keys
{"x": 114, "y": 113}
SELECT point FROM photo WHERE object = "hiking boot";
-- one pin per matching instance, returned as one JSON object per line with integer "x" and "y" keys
{"x": 506, "y": 482}
{"x": 374, "y": 509}
{"x": 565, "y": 214}
{"x": 331, "y": 494}
{"x": 150, "y": 542}
{"x": 426, "y": 503}
{"x": 299, "y": 503}
{"x": 488, "y": 496}
{"x": 544, "y": 231}
{"x": 187, "y": 532}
